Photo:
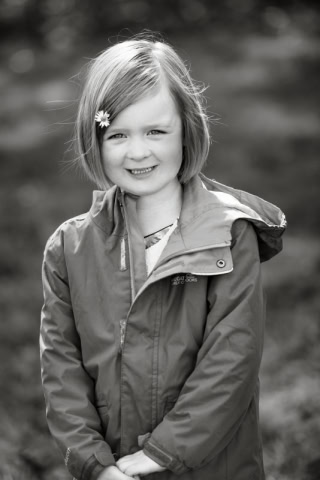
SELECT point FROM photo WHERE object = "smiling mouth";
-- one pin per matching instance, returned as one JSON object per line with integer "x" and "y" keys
{"x": 140, "y": 171}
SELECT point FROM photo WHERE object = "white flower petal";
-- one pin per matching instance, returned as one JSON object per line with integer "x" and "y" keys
{"x": 102, "y": 117}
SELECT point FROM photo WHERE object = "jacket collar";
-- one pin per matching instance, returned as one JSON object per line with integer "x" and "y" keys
{"x": 208, "y": 212}
{"x": 201, "y": 242}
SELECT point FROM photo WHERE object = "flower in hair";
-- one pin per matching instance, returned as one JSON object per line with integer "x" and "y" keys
{"x": 102, "y": 118}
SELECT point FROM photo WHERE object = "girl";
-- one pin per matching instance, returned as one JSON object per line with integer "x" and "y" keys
{"x": 152, "y": 324}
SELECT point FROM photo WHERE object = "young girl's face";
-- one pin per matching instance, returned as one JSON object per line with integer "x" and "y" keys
{"x": 142, "y": 147}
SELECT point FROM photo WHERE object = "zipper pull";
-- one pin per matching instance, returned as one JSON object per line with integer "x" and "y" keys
{"x": 123, "y": 260}
{"x": 122, "y": 334}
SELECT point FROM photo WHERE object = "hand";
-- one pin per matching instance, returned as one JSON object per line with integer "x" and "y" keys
{"x": 113, "y": 473}
{"x": 138, "y": 463}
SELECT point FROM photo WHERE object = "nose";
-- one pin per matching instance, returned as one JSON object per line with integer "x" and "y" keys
{"x": 138, "y": 149}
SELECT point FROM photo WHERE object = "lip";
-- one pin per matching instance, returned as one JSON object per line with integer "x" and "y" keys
{"x": 142, "y": 171}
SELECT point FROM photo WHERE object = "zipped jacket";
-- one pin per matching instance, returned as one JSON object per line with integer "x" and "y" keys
{"x": 169, "y": 362}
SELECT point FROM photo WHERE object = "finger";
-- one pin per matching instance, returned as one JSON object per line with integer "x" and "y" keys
{"x": 122, "y": 462}
{"x": 125, "y": 476}
{"x": 122, "y": 465}
{"x": 118, "y": 475}
{"x": 130, "y": 472}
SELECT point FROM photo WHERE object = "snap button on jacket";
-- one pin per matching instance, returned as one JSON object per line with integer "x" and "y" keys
{"x": 167, "y": 362}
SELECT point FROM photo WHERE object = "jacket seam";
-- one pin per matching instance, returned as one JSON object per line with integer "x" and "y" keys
{"x": 227, "y": 462}
{"x": 121, "y": 402}
{"x": 155, "y": 366}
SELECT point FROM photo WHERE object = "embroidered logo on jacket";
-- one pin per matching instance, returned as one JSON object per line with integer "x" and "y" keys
{"x": 183, "y": 278}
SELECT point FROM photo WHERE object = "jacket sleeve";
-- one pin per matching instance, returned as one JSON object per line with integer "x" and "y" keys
{"x": 68, "y": 389}
{"x": 216, "y": 396}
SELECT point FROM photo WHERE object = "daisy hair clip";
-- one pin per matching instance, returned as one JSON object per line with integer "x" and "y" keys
{"x": 102, "y": 118}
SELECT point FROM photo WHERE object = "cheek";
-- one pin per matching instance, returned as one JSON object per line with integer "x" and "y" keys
{"x": 173, "y": 149}
{"x": 111, "y": 157}
{"x": 178, "y": 154}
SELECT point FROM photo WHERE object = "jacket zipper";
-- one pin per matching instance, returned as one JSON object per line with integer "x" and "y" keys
{"x": 123, "y": 323}
{"x": 123, "y": 263}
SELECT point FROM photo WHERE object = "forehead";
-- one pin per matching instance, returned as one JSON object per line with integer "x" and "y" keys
{"x": 154, "y": 106}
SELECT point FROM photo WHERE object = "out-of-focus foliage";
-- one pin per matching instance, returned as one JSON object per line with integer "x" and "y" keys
{"x": 57, "y": 24}
{"x": 261, "y": 60}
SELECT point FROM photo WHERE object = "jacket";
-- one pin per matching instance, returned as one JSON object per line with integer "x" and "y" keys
{"x": 167, "y": 362}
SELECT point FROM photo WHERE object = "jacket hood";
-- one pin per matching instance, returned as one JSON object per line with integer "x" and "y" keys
{"x": 208, "y": 213}
{"x": 268, "y": 220}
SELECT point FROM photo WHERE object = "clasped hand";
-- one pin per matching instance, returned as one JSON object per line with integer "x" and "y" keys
{"x": 131, "y": 467}
{"x": 138, "y": 464}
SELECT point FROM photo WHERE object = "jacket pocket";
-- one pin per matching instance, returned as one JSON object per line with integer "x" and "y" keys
{"x": 103, "y": 411}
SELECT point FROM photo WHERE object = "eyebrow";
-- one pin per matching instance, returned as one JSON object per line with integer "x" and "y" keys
{"x": 147, "y": 127}
{"x": 156, "y": 126}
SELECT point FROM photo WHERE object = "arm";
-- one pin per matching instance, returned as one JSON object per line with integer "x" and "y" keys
{"x": 216, "y": 396}
{"x": 69, "y": 391}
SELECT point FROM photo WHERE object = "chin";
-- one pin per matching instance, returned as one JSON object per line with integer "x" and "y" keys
{"x": 141, "y": 189}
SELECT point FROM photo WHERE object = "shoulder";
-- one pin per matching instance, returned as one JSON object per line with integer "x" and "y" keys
{"x": 78, "y": 235}
{"x": 243, "y": 227}
{"x": 244, "y": 237}
{"x": 68, "y": 230}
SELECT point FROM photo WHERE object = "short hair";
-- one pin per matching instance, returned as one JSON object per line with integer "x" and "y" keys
{"x": 120, "y": 76}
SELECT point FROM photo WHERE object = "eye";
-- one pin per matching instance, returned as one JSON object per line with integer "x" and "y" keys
{"x": 156, "y": 132}
{"x": 116, "y": 136}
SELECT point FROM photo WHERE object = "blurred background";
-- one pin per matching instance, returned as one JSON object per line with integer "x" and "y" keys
{"x": 261, "y": 62}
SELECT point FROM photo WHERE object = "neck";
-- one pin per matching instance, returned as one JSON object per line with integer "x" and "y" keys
{"x": 159, "y": 209}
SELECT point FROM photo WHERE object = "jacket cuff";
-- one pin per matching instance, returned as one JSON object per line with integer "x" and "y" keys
{"x": 163, "y": 458}
{"x": 96, "y": 463}
{"x": 92, "y": 467}
{"x": 97, "y": 469}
